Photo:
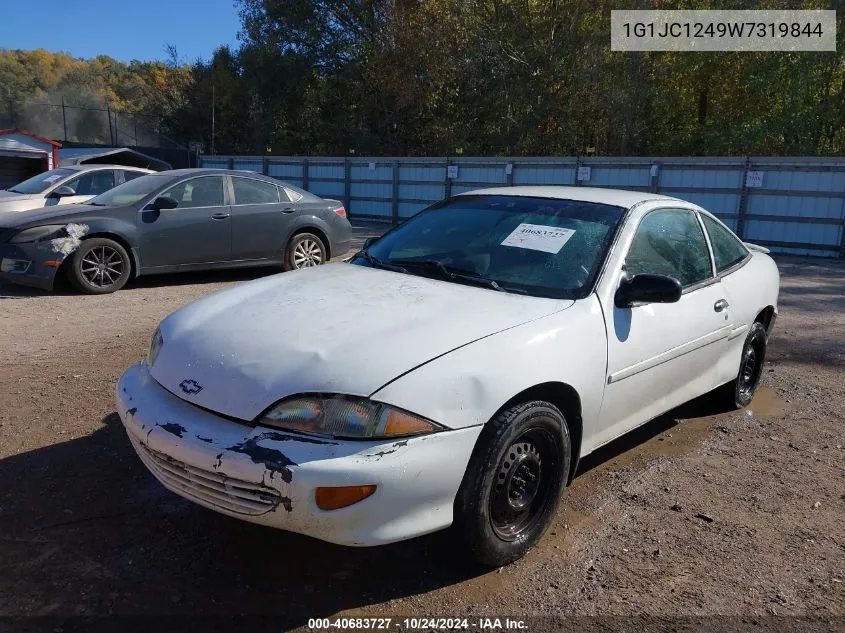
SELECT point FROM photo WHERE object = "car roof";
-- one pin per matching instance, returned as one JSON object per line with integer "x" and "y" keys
{"x": 176, "y": 174}
{"x": 601, "y": 195}
{"x": 94, "y": 166}
{"x": 205, "y": 171}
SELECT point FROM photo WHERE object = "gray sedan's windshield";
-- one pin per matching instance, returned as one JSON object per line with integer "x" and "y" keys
{"x": 132, "y": 191}
{"x": 539, "y": 246}
{"x": 42, "y": 182}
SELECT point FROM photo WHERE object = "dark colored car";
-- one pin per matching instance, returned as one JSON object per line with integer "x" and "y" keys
{"x": 173, "y": 221}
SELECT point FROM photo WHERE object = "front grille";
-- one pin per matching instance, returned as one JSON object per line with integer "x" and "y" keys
{"x": 214, "y": 489}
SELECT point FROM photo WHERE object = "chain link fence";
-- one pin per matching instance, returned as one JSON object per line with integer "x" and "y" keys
{"x": 93, "y": 125}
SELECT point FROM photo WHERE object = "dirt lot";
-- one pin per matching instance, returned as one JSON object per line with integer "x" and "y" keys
{"x": 700, "y": 513}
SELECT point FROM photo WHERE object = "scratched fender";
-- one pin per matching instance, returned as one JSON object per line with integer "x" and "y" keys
{"x": 69, "y": 243}
{"x": 36, "y": 263}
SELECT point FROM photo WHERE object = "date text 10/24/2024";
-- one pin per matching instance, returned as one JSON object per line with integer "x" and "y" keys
{"x": 417, "y": 624}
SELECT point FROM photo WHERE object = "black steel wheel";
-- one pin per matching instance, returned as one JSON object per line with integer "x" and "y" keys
{"x": 514, "y": 481}
{"x": 520, "y": 489}
{"x": 100, "y": 266}
{"x": 739, "y": 392}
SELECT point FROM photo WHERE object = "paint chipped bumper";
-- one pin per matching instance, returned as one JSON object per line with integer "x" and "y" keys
{"x": 26, "y": 264}
{"x": 269, "y": 477}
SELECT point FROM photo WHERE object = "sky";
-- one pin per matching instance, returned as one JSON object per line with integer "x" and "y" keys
{"x": 123, "y": 30}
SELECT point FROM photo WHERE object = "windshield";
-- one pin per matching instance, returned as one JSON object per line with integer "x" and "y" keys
{"x": 538, "y": 246}
{"x": 131, "y": 192}
{"x": 42, "y": 182}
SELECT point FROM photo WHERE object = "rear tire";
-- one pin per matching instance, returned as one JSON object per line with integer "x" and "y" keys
{"x": 740, "y": 391}
{"x": 305, "y": 250}
{"x": 99, "y": 266}
{"x": 514, "y": 481}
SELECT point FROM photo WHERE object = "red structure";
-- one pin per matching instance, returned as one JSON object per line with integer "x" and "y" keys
{"x": 24, "y": 154}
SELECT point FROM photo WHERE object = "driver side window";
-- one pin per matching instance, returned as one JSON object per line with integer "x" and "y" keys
{"x": 92, "y": 183}
{"x": 81, "y": 185}
{"x": 670, "y": 242}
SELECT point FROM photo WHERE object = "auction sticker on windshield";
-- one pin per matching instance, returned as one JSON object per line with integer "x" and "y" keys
{"x": 549, "y": 239}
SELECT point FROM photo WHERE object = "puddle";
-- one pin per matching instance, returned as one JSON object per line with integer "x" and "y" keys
{"x": 682, "y": 439}
{"x": 768, "y": 404}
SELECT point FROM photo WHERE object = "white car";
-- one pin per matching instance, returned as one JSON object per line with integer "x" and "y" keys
{"x": 66, "y": 185}
{"x": 453, "y": 371}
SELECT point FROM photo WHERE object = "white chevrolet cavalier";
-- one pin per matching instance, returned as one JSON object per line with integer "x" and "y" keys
{"x": 453, "y": 371}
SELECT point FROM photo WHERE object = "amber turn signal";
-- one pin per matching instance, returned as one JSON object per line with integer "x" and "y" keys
{"x": 342, "y": 496}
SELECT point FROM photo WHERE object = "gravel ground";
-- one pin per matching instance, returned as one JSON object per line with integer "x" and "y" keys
{"x": 699, "y": 513}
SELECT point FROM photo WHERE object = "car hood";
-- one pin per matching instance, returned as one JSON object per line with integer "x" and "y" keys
{"x": 339, "y": 328}
{"x": 58, "y": 214}
{"x": 11, "y": 201}
{"x": 8, "y": 196}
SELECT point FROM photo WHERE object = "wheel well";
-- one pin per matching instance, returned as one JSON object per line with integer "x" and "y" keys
{"x": 133, "y": 266}
{"x": 315, "y": 231}
{"x": 765, "y": 317}
{"x": 565, "y": 398}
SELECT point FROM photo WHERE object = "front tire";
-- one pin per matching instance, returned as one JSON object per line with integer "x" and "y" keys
{"x": 740, "y": 391}
{"x": 514, "y": 481}
{"x": 305, "y": 250}
{"x": 100, "y": 266}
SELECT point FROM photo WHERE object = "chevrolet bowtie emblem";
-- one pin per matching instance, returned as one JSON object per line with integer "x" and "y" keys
{"x": 190, "y": 386}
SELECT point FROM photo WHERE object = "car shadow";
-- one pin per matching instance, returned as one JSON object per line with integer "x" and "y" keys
{"x": 705, "y": 406}
{"x": 86, "y": 530}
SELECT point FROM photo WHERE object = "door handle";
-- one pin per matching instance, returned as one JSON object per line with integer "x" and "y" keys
{"x": 720, "y": 305}
{"x": 219, "y": 216}
{"x": 288, "y": 210}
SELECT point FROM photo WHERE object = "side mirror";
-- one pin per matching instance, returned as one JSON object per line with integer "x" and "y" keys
{"x": 368, "y": 242}
{"x": 647, "y": 289}
{"x": 162, "y": 202}
{"x": 63, "y": 192}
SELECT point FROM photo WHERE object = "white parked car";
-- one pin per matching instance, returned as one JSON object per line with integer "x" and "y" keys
{"x": 66, "y": 185}
{"x": 453, "y": 371}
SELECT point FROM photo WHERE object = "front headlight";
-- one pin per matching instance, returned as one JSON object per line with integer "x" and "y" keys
{"x": 39, "y": 233}
{"x": 156, "y": 344}
{"x": 344, "y": 417}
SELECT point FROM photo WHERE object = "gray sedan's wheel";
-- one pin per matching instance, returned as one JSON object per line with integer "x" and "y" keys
{"x": 305, "y": 250}
{"x": 100, "y": 266}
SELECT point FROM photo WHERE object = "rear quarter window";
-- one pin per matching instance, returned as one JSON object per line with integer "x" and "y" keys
{"x": 727, "y": 249}
{"x": 291, "y": 195}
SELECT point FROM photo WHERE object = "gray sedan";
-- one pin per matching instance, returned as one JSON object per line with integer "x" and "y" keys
{"x": 190, "y": 219}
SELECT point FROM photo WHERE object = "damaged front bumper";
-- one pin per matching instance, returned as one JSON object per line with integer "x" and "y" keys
{"x": 267, "y": 476}
{"x": 32, "y": 264}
